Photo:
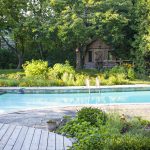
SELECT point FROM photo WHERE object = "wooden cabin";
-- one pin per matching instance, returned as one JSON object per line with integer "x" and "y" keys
{"x": 98, "y": 55}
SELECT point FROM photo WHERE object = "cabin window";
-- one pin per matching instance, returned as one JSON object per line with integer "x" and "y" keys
{"x": 90, "y": 56}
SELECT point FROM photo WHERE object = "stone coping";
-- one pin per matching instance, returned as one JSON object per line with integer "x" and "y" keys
{"x": 76, "y": 89}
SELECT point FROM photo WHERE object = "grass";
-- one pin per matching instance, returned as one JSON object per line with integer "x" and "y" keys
{"x": 8, "y": 71}
{"x": 90, "y": 72}
{"x": 138, "y": 81}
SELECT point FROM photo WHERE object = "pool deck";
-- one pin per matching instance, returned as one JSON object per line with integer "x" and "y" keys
{"x": 14, "y": 137}
{"x": 37, "y": 118}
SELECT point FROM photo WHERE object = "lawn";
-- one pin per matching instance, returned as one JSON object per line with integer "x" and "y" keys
{"x": 8, "y": 71}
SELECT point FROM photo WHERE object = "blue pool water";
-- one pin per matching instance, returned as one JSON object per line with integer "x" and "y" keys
{"x": 15, "y": 102}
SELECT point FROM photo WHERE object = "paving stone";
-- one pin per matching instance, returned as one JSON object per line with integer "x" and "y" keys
{"x": 38, "y": 118}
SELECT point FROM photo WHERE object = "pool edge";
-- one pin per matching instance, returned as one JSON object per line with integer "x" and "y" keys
{"x": 76, "y": 89}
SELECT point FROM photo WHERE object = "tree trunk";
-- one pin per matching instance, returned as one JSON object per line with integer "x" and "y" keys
{"x": 80, "y": 57}
{"x": 20, "y": 61}
{"x": 41, "y": 50}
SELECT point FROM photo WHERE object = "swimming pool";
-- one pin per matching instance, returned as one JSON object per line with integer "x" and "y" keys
{"x": 16, "y": 102}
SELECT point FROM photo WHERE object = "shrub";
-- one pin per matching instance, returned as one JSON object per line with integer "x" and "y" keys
{"x": 18, "y": 75}
{"x": 112, "y": 80}
{"x": 131, "y": 74}
{"x": 3, "y": 76}
{"x": 59, "y": 69}
{"x": 80, "y": 79}
{"x": 75, "y": 128}
{"x": 117, "y": 70}
{"x": 36, "y": 69}
{"x": 31, "y": 82}
{"x": 102, "y": 79}
{"x": 94, "y": 116}
{"x": 9, "y": 82}
{"x": 129, "y": 142}
{"x": 68, "y": 79}
{"x": 57, "y": 82}
{"x": 92, "y": 142}
{"x": 98, "y": 141}
{"x": 117, "y": 79}
{"x": 90, "y": 136}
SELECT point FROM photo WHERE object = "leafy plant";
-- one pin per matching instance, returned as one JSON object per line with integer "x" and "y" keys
{"x": 59, "y": 69}
{"x": 129, "y": 142}
{"x": 36, "y": 69}
{"x": 131, "y": 74}
{"x": 94, "y": 116}
{"x": 116, "y": 133}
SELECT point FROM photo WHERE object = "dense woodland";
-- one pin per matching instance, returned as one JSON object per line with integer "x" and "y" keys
{"x": 52, "y": 30}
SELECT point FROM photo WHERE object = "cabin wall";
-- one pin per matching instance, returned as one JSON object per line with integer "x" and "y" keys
{"x": 100, "y": 53}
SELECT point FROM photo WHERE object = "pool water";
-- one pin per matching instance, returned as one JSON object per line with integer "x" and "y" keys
{"x": 15, "y": 102}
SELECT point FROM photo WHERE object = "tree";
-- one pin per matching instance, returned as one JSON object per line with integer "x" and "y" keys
{"x": 81, "y": 22}
{"x": 141, "y": 26}
{"x": 13, "y": 16}
{"x": 27, "y": 23}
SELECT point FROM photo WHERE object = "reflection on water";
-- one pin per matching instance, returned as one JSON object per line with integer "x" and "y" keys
{"x": 9, "y": 102}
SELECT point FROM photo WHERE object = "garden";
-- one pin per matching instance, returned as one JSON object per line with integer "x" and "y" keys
{"x": 37, "y": 73}
{"x": 94, "y": 129}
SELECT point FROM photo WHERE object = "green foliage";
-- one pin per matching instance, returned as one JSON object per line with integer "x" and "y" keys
{"x": 92, "y": 142}
{"x": 68, "y": 79}
{"x": 117, "y": 70}
{"x": 117, "y": 79}
{"x": 59, "y": 69}
{"x": 129, "y": 142}
{"x": 76, "y": 128}
{"x": 8, "y": 71}
{"x": 141, "y": 28}
{"x": 7, "y": 59}
{"x": 120, "y": 74}
{"x": 131, "y": 74}
{"x": 116, "y": 134}
{"x": 57, "y": 28}
{"x": 36, "y": 68}
{"x": 94, "y": 116}
{"x": 17, "y": 76}
{"x": 8, "y": 82}
{"x": 66, "y": 75}
{"x": 31, "y": 82}
{"x": 80, "y": 79}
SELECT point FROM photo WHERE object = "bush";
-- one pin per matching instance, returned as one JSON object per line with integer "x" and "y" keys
{"x": 117, "y": 70}
{"x": 30, "y": 82}
{"x": 36, "y": 69}
{"x": 117, "y": 79}
{"x": 90, "y": 134}
{"x": 75, "y": 128}
{"x": 131, "y": 74}
{"x": 9, "y": 82}
{"x": 80, "y": 79}
{"x": 59, "y": 69}
{"x": 18, "y": 75}
{"x": 94, "y": 116}
{"x": 129, "y": 142}
{"x": 68, "y": 79}
{"x": 92, "y": 142}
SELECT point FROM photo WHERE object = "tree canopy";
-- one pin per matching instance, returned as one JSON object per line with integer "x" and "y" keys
{"x": 50, "y": 29}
